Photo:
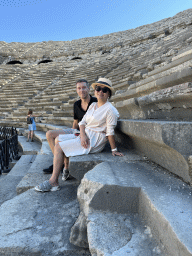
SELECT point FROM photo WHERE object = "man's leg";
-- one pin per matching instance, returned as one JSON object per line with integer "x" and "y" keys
{"x": 65, "y": 174}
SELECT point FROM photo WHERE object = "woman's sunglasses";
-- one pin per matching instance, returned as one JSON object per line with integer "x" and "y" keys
{"x": 103, "y": 89}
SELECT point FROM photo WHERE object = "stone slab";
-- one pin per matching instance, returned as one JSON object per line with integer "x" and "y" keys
{"x": 173, "y": 104}
{"x": 29, "y": 148}
{"x": 35, "y": 175}
{"x": 182, "y": 76}
{"x": 31, "y": 225}
{"x": 8, "y": 186}
{"x": 22, "y": 166}
{"x": 9, "y": 182}
{"x": 162, "y": 201}
{"x": 120, "y": 234}
{"x": 164, "y": 142}
{"x": 45, "y": 149}
{"x": 79, "y": 165}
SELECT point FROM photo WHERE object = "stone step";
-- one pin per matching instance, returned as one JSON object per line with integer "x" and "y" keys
{"x": 30, "y": 206}
{"x": 68, "y": 121}
{"x": 9, "y": 182}
{"x": 173, "y": 104}
{"x": 25, "y": 228}
{"x": 21, "y": 233}
{"x": 129, "y": 208}
{"x": 62, "y": 113}
{"x": 178, "y": 77}
{"x": 166, "y": 143}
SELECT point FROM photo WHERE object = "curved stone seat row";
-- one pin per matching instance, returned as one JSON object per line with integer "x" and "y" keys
{"x": 148, "y": 66}
{"x": 125, "y": 203}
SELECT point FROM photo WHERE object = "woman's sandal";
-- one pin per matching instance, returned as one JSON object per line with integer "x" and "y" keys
{"x": 46, "y": 187}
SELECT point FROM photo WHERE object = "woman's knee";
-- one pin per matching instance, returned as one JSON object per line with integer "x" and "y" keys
{"x": 57, "y": 140}
{"x": 48, "y": 134}
{"x": 58, "y": 148}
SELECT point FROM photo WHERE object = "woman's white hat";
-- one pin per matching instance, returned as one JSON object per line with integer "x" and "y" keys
{"x": 103, "y": 81}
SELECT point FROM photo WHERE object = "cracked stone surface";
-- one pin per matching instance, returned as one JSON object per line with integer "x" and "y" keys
{"x": 30, "y": 224}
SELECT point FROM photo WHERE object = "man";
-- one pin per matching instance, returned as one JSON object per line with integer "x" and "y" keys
{"x": 80, "y": 107}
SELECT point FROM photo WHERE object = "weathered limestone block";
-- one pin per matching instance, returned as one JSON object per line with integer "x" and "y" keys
{"x": 78, "y": 234}
{"x": 172, "y": 104}
{"x": 175, "y": 78}
{"x": 167, "y": 143}
{"x": 86, "y": 193}
{"x": 111, "y": 193}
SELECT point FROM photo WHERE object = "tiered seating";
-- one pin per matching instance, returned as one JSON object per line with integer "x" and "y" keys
{"x": 143, "y": 63}
{"x": 151, "y": 71}
{"x": 155, "y": 111}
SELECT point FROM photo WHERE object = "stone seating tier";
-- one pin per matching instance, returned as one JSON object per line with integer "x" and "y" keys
{"x": 181, "y": 76}
{"x": 128, "y": 205}
{"x": 141, "y": 63}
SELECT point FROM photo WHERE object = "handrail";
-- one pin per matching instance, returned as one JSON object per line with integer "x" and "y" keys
{"x": 8, "y": 147}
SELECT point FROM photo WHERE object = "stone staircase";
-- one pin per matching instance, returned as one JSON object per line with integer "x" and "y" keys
{"x": 129, "y": 206}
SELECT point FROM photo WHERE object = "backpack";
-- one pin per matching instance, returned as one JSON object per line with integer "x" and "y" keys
{"x": 29, "y": 120}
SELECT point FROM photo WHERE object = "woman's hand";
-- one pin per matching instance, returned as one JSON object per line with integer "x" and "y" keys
{"x": 84, "y": 140}
{"x": 116, "y": 153}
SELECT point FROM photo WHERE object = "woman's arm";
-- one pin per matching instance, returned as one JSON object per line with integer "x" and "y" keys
{"x": 111, "y": 139}
{"x": 83, "y": 137}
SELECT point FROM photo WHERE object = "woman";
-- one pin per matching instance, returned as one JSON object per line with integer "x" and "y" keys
{"x": 96, "y": 126}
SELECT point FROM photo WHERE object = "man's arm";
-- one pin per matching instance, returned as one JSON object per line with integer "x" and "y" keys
{"x": 75, "y": 124}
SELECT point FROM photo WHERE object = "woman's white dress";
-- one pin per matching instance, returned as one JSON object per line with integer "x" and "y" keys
{"x": 99, "y": 123}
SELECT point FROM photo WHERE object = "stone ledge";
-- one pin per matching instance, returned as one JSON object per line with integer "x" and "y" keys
{"x": 167, "y": 104}
{"x": 166, "y": 143}
{"x": 182, "y": 76}
{"x": 135, "y": 188}
{"x": 79, "y": 165}
{"x": 46, "y": 127}
{"x": 29, "y": 148}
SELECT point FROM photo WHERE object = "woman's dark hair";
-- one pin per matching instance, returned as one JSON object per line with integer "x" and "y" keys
{"x": 110, "y": 93}
{"x": 30, "y": 112}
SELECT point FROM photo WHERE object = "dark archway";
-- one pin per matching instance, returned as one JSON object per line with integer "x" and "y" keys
{"x": 44, "y": 61}
{"x": 76, "y": 58}
{"x": 12, "y": 62}
{"x": 106, "y": 51}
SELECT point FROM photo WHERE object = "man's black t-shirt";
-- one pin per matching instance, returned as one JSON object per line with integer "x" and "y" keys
{"x": 78, "y": 111}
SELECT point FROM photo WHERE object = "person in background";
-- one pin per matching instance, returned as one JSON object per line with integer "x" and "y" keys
{"x": 31, "y": 124}
{"x": 96, "y": 127}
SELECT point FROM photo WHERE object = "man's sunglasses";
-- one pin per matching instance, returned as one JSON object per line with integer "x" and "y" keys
{"x": 103, "y": 89}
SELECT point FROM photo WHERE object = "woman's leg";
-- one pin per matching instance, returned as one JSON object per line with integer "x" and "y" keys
{"x": 57, "y": 164}
{"x": 52, "y": 135}
{"x": 65, "y": 161}
{"x": 31, "y": 135}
